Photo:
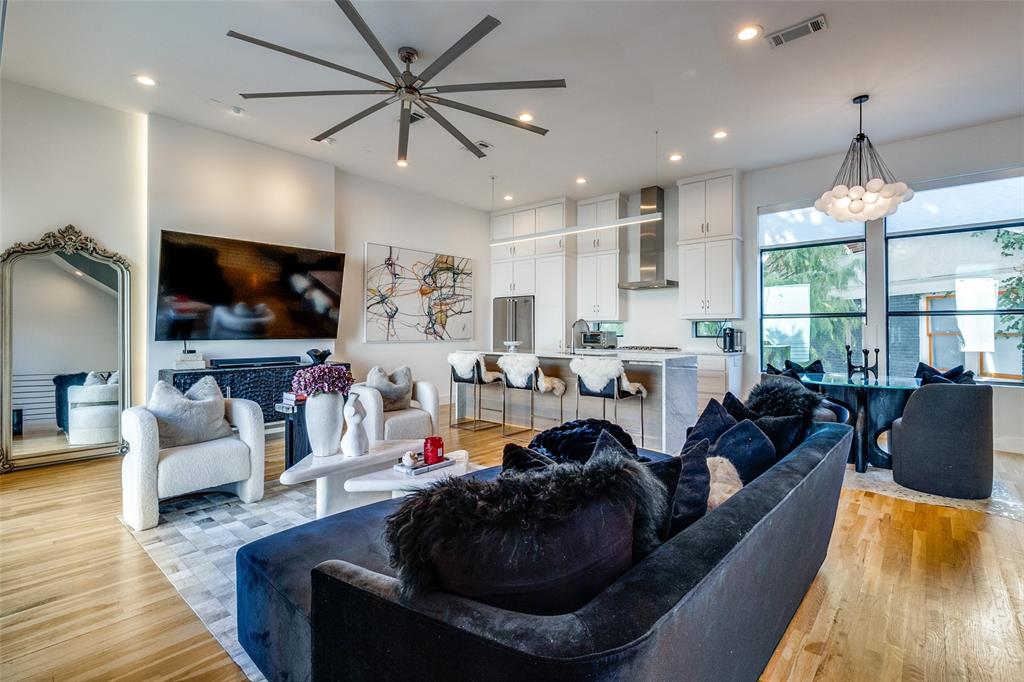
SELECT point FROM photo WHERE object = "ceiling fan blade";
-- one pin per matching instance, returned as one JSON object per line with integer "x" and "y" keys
{"x": 447, "y": 125}
{"x": 403, "y": 132}
{"x": 364, "y": 30}
{"x": 487, "y": 114}
{"x": 506, "y": 85}
{"x": 486, "y": 25}
{"x": 308, "y": 58}
{"x": 312, "y": 93}
{"x": 349, "y": 121}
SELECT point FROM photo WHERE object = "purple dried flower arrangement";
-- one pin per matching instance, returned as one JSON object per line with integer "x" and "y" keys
{"x": 311, "y": 381}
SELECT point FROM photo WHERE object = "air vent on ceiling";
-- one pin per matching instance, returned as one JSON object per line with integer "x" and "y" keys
{"x": 414, "y": 117}
{"x": 804, "y": 28}
{"x": 482, "y": 144}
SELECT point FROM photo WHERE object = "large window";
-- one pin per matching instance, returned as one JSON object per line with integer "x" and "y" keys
{"x": 812, "y": 287}
{"x": 956, "y": 279}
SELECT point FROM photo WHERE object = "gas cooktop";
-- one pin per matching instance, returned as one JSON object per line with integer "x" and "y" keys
{"x": 649, "y": 349}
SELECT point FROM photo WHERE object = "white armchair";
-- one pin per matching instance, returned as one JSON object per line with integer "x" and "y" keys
{"x": 93, "y": 413}
{"x": 419, "y": 420}
{"x": 149, "y": 474}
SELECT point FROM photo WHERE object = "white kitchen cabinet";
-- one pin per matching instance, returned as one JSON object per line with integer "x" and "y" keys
{"x": 502, "y": 228}
{"x": 597, "y": 286}
{"x": 709, "y": 280}
{"x": 550, "y": 217}
{"x": 524, "y": 223}
{"x": 552, "y": 300}
{"x": 708, "y": 207}
{"x": 599, "y": 211}
{"x": 502, "y": 279}
{"x": 524, "y": 277}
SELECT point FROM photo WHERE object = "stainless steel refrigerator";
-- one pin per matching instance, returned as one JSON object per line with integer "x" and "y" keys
{"x": 512, "y": 320}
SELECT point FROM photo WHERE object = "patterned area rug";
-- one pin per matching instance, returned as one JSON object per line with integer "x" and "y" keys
{"x": 195, "y": 545}
{"x": 1002, "y": 503}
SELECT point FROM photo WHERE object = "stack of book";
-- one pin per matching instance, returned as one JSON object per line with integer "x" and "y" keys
{"x": 422, "y": 468}
{"x": 292, "y": 399}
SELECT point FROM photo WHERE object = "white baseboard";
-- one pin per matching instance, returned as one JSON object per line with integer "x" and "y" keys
{"x": 1010, "y": 444}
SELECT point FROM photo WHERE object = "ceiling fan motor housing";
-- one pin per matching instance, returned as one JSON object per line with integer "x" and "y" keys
{"x": 408, "y": 54}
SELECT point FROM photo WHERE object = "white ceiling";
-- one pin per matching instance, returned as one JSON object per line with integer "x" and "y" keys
{"x": 631, "y": 68}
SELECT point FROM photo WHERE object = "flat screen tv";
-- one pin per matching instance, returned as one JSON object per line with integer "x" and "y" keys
{"x": 216, "y": 288}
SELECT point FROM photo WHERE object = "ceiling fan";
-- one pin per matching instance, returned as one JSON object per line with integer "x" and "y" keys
{"x": 407, "y": 88}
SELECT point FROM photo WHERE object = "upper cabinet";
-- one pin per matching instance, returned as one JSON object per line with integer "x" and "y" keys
{"x": 599, "y": 211}
{"x": 523, "y": 222}
{"x": 708, "y": 207}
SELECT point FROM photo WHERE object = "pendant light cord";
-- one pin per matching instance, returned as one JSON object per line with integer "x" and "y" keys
{"x": 492, "y": 194}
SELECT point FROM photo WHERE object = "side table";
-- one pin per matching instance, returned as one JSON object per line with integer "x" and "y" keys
{"x": 296, "y": 442}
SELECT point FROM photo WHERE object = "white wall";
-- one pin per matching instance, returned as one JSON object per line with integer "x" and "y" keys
{"x": 210, "y": 183}
{"x": 65, "y": 161}
{"x": 367, "y": 210}
{"x": 957, "y": 152}
{"x": 63, "y": 323}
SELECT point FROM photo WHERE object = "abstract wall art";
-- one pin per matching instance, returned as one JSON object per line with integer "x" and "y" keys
{"x": 415, "y": 295}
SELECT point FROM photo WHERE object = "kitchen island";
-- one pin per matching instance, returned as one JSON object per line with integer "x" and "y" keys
{"x": 669, "y": 408}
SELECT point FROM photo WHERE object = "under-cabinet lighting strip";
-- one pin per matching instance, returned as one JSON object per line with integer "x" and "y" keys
{"x": 636, "y": 220}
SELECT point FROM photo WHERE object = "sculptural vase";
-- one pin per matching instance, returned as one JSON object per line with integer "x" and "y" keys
{"x": 325, "y": 420}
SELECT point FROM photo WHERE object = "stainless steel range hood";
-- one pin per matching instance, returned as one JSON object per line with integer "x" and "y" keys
{"x": 644, "y": 265}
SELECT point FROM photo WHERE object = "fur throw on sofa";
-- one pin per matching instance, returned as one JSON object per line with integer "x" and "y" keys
{"x": 783, "y": 399}
{"x": 725, "y": 481}
{"x": 574, "y": 441}
{"x": 468, "y": 518}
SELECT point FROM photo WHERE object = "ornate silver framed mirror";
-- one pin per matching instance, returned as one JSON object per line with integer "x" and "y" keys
{"x": 65, "y": 353}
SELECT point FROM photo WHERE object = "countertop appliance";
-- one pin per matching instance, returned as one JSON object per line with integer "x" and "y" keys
{"x": 599, "y": 339}
{"x": 644, "y": 265}
{"x": 512, "y": 324}
{"x": 730, "y": 340}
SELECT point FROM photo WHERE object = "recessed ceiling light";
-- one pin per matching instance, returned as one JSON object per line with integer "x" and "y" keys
{"x": 675, "y": 157}
{"x": 143, "y": 79}
{"x": 508, "y": 197}
{"x": 401, "y": 163}
{"x": 581, "y": 181}
{"x": 749, "y": 32}
{"x": 720, "y": 134}
{"x": 329, "y": 140}
{"x": 236, "y": 110}
{"x": 525, "y": 117}
{"x": 79, "y": 273}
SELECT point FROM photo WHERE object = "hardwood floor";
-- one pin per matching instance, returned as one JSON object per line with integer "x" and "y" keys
{"x": 908, "y": 591}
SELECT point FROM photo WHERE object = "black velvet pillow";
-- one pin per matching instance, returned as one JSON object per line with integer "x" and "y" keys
{"x": 747, "y": 447}
{"x": 544, "y": 541}
{"x": 665, "y": 470}
{"x": 574, "y": 441}
{"x": 783, "y": 399}
{"x": 929, "y": 375}
{"x": 785, "y": 433}
{"x": 690, "y": 502}
{"x": 772, "y": 369}
{"x": 814, "y": 368}
{"x": 712, "y": 423}
{"x": 518, "y": 458}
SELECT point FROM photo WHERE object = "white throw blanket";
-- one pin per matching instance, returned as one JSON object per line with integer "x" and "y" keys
{"x": 595, "y": 373}
{"x": 463, "y": 361}
{"x": 518, "y": 368}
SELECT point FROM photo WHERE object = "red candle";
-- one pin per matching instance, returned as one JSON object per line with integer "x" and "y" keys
{"x": 433, "y": 450}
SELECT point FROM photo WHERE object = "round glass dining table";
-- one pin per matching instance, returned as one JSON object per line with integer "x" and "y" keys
{"x": 876, "y": 403}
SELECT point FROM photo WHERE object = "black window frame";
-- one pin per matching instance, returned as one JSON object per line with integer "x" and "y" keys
{"x": 791, "y": 316}
{"x": 889, "y": 314}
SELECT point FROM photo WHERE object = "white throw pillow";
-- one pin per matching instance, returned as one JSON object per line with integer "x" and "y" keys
{"x": 194, "y": 417}
{"x": 115, "y": 377}
{"x": 96, "y": 378}
{"x": 395, "y": 389}
{"x": 725, "y": 481}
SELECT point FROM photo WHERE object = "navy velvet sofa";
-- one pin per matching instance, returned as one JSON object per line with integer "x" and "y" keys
{"x": 320, "y": 602}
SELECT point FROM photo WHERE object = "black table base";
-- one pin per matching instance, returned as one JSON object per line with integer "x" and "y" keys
{"x": 875, "y": 409}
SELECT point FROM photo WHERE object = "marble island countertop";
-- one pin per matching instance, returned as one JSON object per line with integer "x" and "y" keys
{"x": 685, "y": 359}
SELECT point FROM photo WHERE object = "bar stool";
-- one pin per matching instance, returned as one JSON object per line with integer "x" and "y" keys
{"x": 613, "y": 374}
{"x": 468, "y": 368}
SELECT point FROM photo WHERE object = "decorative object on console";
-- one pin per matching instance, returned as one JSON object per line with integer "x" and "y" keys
{"x": 416, "y": 295}
{"x": 319, "y": 356}
{"x": 866, "y": 370}
{"x": 193, "y": 417}
{"x": 395, "y": 389}
{"x": 354, "y": 443}
{"x": 326, "y": 388}
{"x": 864, "y": 188}
{"x": 929, "y": 375}
{"x": 406, "y": 88}
{"x": 505, "y": 542}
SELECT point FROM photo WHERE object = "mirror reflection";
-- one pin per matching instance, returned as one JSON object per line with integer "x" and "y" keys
{"x": 65, "y": 378}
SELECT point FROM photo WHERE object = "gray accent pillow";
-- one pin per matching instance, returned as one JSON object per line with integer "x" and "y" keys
{"x": 395, "y": 389}
{"x": 192, "y": 417}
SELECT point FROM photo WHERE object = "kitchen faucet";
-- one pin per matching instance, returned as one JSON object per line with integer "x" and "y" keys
{"x": 572, "y": 334}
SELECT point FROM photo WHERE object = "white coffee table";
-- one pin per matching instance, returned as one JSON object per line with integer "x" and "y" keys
{"x": 331, "y": 473}
{"x": 400, "y": 485}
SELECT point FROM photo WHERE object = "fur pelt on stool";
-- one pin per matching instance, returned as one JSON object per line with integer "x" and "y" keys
{"x": 463, "y": 361}
{"x": 518, "y": 368}
{"x": 547, "y": 384}
{"x": 595, "y": 373}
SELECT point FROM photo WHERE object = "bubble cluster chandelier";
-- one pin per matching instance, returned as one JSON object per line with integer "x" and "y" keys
{"x": 864, "y": 188}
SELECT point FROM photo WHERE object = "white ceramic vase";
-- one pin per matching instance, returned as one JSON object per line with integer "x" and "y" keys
{"x": 325, "y": 419}
{"x": 355, "y": 443}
